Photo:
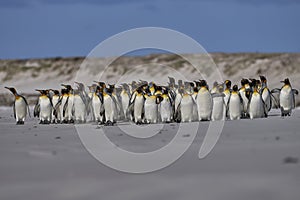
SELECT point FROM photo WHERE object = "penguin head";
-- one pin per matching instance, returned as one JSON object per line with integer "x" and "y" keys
{"x": 171, "y": 82}
{"x": 125, "y": 86}
{"x": 13, "y": 90}
{"x": 220, "y": 88}
{"x": 101, "y": 84}
{"x": 139, "y": 90}
{"x": 68, "y": 87}
{"x": 253, "y": 82}
{"x": 92, "y": 88}
{"x": 80, "y": 86}
{"x": 244, "y": 81}
{"x": 111, "y": 86}
{"x": 55, "y": 92}
{"x": 227, "y": 84}
{"x": 286, "y": 81}
{"x": 203, "y": 83}
{"x": 64, "y": 91}
{"x": 215, "y": 84}
{"x": 43, "y": 92}
{"x": 108, "y": 90}
{"x": 197, "y": 83}
{"x": 180, "y": 83}
{"x": 147, "y": 92}
{"x": 165, "y": 91}
{"x": 263, "y": 79}
{"x": 235, "y": 88}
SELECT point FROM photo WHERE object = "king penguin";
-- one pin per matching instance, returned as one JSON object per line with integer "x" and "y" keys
{"x": 97, "y": 105}
{"x": 125, "y": 97}
{"x": 20, "y": 106}
{"x": 257, "y": 107}
{"x": 110, "y": 106}
{"x": 219, "y": 107}
{"x": 227, "y": 91}
{"x": 43, "y": 108}
{"x": 165, "y": 107}
{"x": 286, "y": 97}
{"x": 68, "y": 106}
{"x": 184, "y": 111}
{"x": 151, "y": 106}
{"x": 235, "y": 103}
{"x": 204, "y": 102}
{"x": 136, "y": 107}
{"x": 266, "y": 94}
{"x": 80, "y": 105}
{"x": 245, "y": 93}
{"x": 56, "y": 117}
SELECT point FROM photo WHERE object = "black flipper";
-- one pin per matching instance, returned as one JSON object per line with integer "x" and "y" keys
{"x": 36, "y": 111}
{"x": 14, "y": 109}
{"x": 65, "y": 107}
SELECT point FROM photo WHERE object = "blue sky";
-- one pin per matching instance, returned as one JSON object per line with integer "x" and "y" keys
{"x": 48, "y": 28}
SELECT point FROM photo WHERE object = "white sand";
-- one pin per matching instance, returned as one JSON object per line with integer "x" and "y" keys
{"x": 49, "y": 162}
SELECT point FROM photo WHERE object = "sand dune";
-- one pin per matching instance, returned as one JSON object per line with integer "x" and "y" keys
{"x": 29, "y": 74}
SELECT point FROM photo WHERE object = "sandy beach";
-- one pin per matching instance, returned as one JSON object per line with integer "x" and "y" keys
{"x": 253, "y": 159}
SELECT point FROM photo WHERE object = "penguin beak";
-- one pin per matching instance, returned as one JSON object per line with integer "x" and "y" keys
{"x": 281, "y": 81}
{"x": 10, "y": 89}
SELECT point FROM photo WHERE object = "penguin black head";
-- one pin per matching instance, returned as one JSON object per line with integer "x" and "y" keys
{"x": 197, "y": 83}
{"x": 165, "y": 91}
{"x": 147, "y": 91}
{"x": 263, "y": 79}
{"x": 196, "y": 89}
{"x": 69, "y": 87}
{"x": 253, "y": 82}
{"x": 191, "y": 84}
{"x": 101, "y": 84}
{"x": 235, "y": 88}
{"x": 111, "y": 86}
{"x": 171, "y": 81}
{"x": 13, "y": 90}
{"x": 43, "y": 92}
{"x": 55, "y": 92}
{"x": 80, "y": 86}
{"x": 215, "y": 84}
{"x": 180, "y": 83}
{"x": 228, "y": 84}
{"x": 244, "y": 82}
{"x": 139, "y": 90}
{"x": 158, "y": 88}
{"x": 286, "y": 81}
{"x": 203, "y": 83}
{"x": 64, "y": 91}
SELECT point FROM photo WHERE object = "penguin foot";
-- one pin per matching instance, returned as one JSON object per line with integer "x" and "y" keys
{"x": 20, "y": 123}
{"x": 139, "y": 123}
{"x": 71, "y": 121}
{"x": 100, "y": 122}
{"x": 109, "y": 123}
{"x": 44, "y": 122}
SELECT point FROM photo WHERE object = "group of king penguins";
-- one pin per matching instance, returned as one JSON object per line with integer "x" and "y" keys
{"x": 145, "y": 102}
